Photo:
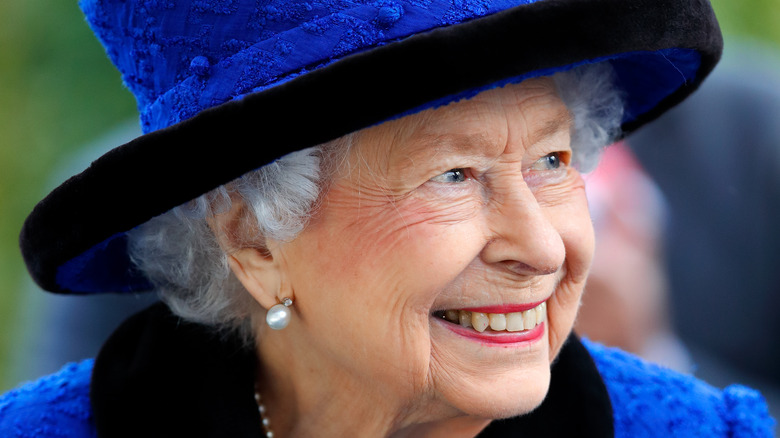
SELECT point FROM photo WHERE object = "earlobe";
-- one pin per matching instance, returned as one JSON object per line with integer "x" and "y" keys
{"x": 252, "y": 264}
{"x": 258, "y": 273}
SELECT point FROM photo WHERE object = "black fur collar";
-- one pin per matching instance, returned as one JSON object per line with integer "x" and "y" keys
{"x": 158, "y": 376}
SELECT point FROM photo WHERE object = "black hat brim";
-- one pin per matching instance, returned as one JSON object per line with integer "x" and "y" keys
{"x": 74, "y": 239}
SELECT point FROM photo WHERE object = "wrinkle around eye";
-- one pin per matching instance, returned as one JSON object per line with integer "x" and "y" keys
{"x": 541, "y": 178}
{"x": 538, "y": 176}
{"x": 569, "y": 186}
{"x": 447, "y": 202}
{"x": 465, "y": 185}
{"x": 447, "y": 211}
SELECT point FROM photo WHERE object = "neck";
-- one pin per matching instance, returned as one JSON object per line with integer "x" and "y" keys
{"x": 317, "y": 398}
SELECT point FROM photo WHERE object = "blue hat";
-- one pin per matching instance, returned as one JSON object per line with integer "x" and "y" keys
{"x": 220, "y": 79}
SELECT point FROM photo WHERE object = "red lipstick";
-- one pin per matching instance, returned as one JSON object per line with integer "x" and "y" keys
{"x": 489, "y": 337}
{"x": 505, "y": 308}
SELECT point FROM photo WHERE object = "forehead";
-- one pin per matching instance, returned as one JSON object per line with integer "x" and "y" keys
{"x": 493, "y": 122}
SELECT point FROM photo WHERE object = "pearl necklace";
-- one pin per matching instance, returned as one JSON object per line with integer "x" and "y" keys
{"x": 263, "y": 419}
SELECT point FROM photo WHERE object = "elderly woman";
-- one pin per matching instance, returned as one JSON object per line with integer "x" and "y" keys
{"x": 366, "y": 219}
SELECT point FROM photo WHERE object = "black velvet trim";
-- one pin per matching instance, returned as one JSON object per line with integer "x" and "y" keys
{"x": 155, "y": 172}
{"x": 160, "y": 377}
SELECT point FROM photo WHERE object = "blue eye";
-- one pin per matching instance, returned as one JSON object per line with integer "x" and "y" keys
{"x": 553, "y": 161}
{"x": 549, "y": 162}
{"x": 451, "y": 176}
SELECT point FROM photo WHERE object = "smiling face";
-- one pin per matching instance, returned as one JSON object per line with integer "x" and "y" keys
{"x": 438, "y": 217}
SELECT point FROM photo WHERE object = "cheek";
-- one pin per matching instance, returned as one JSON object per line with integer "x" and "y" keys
{"x": 573, "y": 222}
{"x": 566, "y": 207}
{"x": 421, "y": 239}
{"x": 378, "y": 269}
{"x": 412, "y": 250}
{"x": 576, "y": 229}
{"x": 437, "y": 242}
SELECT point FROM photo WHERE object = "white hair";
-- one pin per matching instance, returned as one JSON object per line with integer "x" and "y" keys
{"x": 596, "y": 106}
{"x": 179, "y": 253}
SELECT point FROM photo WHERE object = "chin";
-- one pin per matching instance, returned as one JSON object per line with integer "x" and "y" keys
{"x": 519, "y": 399}
{"x": 490, "y": 381}
{"x": 505, "y": 398}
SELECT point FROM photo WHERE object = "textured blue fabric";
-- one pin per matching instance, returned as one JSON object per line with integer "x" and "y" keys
{"x": 652, "y": 401}
{"x": 648, "y": 401}
{"x": 97, "y": 268}
{"x": 54, "y": 406}
{"x": 179, "y": 58}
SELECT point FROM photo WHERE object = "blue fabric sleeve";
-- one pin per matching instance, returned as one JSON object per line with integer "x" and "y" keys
{"x": 53, "y": 406}
{"x": 650, "y": 401}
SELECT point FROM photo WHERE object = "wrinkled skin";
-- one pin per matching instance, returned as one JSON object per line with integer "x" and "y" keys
{"x": 399, "y": 235}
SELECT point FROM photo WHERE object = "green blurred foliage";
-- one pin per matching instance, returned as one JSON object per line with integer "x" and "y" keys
{"x": 752, "y": 19}
{"x": 58, "y": 91}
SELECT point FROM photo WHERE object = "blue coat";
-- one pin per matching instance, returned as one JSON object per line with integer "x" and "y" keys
{"x": 639, "y": 399}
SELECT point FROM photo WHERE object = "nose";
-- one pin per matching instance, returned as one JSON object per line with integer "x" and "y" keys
{"x": 523, "y": 240}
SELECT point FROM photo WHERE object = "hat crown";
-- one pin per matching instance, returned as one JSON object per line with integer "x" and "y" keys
{"x": 181, "y": 57}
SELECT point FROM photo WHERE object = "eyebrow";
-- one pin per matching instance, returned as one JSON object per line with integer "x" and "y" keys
{"x": 479, "y": 142}
{"x": 562, "y": 122}
{"x": 462, "y": 143}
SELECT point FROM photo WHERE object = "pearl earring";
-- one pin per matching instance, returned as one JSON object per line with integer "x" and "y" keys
{"x": 279, "y": 315}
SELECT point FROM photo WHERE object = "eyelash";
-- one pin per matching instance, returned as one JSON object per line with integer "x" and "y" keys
{"x": 551, "y": 161}
{"x": 459, "y": 173}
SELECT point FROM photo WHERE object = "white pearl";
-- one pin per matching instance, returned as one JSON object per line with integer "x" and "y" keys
{"x": 278, "y": 316}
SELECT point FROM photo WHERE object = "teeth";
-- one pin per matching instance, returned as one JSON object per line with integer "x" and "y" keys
{"x": 514, "y": 322}
{"x": 541, "y": 313}
{"x": 511, "y": 322}
{"x": 452, "y": 315}
{"x": 464, "y": 318}
{"x": 529, "y": 318}
{"x": 497, "y": 321}
{"x": 479, "y": 321}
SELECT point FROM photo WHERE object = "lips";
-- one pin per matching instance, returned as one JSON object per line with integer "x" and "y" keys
{"x": 489, "y": 319}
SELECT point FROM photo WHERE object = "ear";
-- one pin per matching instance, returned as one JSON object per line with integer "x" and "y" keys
{"x": 248, "y": 258}
{"x": 258, "y": 273}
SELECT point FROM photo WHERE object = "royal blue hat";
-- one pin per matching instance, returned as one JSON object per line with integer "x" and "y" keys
{"x": 227, "y": 86}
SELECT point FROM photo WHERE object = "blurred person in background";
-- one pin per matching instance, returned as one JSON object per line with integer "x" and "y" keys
{"x": 625, "y": 303}
{"x": 686, "y": 269}
{"x": 716, "y": 158}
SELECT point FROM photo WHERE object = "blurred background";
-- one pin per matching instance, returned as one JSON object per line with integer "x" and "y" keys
{"x": 61, "y": 103}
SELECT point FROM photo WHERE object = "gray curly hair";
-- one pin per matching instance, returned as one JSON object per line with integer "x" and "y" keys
{"x": 180, "y": 254}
